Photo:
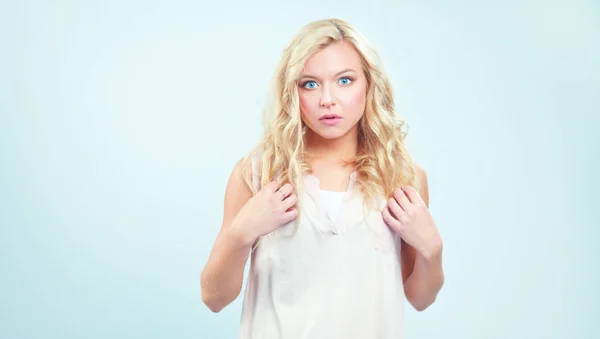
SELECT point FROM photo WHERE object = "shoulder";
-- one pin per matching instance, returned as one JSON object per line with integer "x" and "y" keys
{"x": 421, "y": 183}
{"x": 238, "y": 181}
{"x": 247, "y": 169}
{"x": 243, "y": 180}
{"x": 237, "y": 192}
{"x": 421, "y": 175}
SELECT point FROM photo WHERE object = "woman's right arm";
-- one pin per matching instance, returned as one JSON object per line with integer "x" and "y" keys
{"x": 222, "y": 277}
{"x": 245, "y": 219}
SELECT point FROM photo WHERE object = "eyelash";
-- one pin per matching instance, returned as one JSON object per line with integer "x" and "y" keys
{"x": 346, "y": 77}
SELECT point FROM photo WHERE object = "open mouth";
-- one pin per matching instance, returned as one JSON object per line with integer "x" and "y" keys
{"x": 330, "y": 117}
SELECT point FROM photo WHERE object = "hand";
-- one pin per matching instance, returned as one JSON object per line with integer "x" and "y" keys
{"x": 271, "y": 208}
{"x": 407, "y": 214}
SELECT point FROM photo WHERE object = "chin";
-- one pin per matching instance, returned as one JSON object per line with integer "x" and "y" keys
{"x": 332, "y": 134}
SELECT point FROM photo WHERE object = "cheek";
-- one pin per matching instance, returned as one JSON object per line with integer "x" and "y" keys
{"x": 307, "y": 106}
{"x": 355, "y": 101}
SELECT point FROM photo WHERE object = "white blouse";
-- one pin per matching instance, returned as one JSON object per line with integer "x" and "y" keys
{"x": 338, "y": 276}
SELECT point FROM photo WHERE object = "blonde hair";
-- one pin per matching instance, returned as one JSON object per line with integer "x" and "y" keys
{"x": 382, "y": 161}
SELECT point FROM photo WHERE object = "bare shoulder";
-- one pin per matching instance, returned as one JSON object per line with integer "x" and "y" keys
{"x": 422, "y": 185}
{"x": 408, "y": 253}
{"x": 237, "y": 192}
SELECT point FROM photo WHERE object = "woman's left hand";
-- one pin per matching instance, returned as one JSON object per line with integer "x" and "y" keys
{"x": 407, "y": 214}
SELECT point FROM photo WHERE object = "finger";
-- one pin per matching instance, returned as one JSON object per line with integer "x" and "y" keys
{"x": 273, "y": 186}
{"x": 290, "y": 215}
{"x": 412, "y": 195}
{"x": 390, "y": 220}
{"x": 396, "y": 211}
{"x": 286, "y": 190}
{"x": 402, "y": 199}
{"x": 290, "y": 201}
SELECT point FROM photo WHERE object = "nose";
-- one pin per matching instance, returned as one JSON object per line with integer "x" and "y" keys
{"x": 326, "y": 98}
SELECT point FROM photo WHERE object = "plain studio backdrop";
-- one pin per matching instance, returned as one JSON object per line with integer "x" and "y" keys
{"x": 122, "y": 120}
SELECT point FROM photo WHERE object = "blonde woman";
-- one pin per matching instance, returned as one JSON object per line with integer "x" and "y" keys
{"x": 330, "y": 206}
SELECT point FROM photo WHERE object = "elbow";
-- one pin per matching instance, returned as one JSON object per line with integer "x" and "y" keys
{"x": 212, "y": 305}
{"x": 421, "y": 303}
{"x": 422, "y": 306}
{"x": 209, "y": 299}
{"x": 215, "y": 301}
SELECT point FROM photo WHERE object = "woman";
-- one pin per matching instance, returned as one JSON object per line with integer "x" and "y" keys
{"x": 330, "y": 205}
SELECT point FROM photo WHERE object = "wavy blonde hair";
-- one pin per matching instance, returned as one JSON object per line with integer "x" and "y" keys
{"x": 382, "y": 161}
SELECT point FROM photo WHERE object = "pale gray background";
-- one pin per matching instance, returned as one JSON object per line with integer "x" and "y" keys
{"x": 121, "y": 121}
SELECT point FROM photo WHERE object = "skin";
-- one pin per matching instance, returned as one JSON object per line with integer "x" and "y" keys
{"x": 332, "y": 82}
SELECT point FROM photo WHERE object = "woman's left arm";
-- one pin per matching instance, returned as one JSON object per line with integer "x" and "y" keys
{"x": 421, "y": 253}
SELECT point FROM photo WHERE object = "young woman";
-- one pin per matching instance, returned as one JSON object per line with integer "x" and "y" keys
{"x": 330, "y": 206}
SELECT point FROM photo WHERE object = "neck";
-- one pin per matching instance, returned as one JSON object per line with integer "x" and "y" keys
{"x": 332, "y": 151}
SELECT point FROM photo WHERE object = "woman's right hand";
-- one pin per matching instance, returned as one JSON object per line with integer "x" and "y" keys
{"x": 271, "y": 208}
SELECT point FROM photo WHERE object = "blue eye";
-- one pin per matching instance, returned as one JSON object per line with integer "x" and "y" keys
{"x": 310, "y": 84}
{"x": 345, "y": 81}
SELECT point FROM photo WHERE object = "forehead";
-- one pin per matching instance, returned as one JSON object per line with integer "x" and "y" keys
{"x": 332, "y": 59}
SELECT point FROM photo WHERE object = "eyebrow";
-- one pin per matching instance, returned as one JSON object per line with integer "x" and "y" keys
{"x": 337, "y": 74}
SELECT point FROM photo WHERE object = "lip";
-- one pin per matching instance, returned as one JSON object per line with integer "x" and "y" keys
{"x": 330, "y": 116}
{"x": 330, "y": 119}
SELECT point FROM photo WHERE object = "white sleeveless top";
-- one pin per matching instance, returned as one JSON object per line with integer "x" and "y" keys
{"x": 337, "y": 277}
{"x": 332, "y": 203}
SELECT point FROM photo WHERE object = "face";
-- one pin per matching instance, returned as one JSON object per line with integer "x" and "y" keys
{"x": 332, "y": 91}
